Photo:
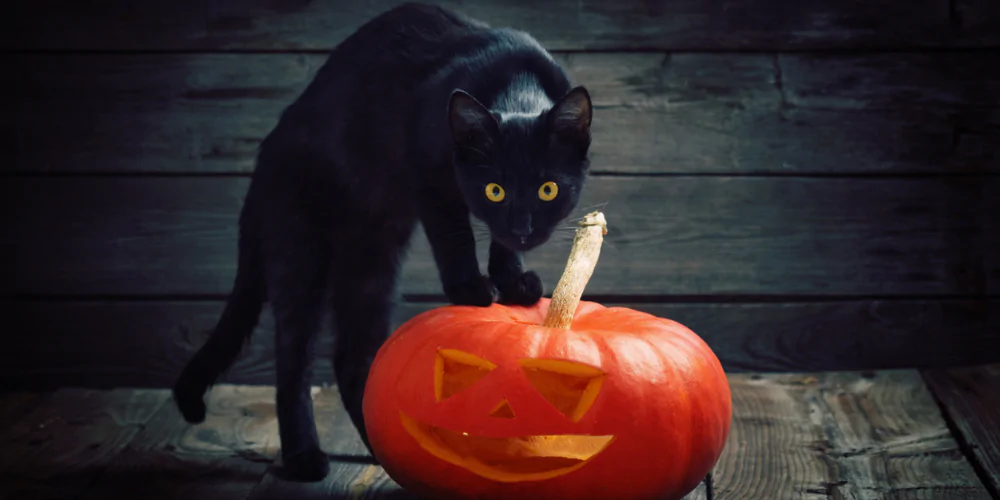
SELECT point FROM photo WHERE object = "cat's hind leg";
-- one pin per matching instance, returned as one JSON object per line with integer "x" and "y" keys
{"x": 296, "y": 264}
{"x": 365, "y": 288}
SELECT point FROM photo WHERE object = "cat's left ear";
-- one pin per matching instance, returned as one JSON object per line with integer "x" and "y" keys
{"x": 570, "y": 117}
{"x": 471, "y": 123}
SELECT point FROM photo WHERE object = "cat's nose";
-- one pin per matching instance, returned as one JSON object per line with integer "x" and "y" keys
{"x": 521, "y": 228}
{"x": 521, "y": 232}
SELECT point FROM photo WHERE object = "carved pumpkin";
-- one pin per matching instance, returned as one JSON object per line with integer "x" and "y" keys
{"x": 584, "y": 402}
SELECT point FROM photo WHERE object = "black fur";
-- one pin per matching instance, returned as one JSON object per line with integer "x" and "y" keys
{"x": 409, "y": 120}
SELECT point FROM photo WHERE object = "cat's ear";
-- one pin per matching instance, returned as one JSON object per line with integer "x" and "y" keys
{"x": 570, "y": 117}
{"x": 471, "y": 123}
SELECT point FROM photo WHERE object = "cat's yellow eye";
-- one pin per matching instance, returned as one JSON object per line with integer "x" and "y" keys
{"x": 548, "y": 191}
{"x": 494, "y": 192}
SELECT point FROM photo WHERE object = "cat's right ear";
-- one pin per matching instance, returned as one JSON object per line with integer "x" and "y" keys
{"x": 571, "y": 117}
{"x": 472, "y": 125}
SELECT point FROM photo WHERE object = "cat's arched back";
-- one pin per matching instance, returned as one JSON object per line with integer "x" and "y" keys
{"x": 422, "y": 115}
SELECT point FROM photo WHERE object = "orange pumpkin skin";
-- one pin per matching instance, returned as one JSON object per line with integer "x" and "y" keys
{"x": 664, "y": 398}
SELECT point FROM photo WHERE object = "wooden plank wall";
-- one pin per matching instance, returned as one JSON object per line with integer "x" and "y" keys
{"x": 808, "y": 185}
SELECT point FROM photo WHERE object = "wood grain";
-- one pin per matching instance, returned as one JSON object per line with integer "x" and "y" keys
{"x": 666, "y": 236}
{"x": 147, "y": 343}
{"x": 562, "y": 24}
{"x": 56, "y": 450}
{"x": 970, "y": 397}
{"x": 655, "y": 113}
{"x": 840, "y": 435}
{"x": 224, "y": 457}
{"x": 862, "y": 435}
{"x": 883, "y": 82}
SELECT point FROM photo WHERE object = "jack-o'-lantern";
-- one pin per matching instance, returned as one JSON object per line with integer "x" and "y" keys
{"x": 562, "y": 399}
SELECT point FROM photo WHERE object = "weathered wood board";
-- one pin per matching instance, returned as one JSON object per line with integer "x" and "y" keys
{"x": 562, "y": 24}
{"x": 655, "y": 113}
{"x": 231, "y": 455}
{"x": 147, "y": 343}
{"x": 970, "y": 397}
{"x": 840, "y": 435}
{"x": 667, "y": 236}
{"x": 61, "y": 446}
{"x": 223, "y": 457}
{"x": 863, "y": 435}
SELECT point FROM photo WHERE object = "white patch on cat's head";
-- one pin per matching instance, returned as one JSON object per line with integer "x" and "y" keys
{"x": 523, "y": 98}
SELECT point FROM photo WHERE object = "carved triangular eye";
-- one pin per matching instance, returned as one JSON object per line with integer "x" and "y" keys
{"x": 571, "y": 387}
{"x": 456, "y": 370}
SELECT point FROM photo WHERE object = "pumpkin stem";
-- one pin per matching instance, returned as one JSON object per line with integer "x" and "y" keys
{"x": 579, "y": 268}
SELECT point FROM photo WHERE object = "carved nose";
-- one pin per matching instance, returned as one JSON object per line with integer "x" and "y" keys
{"x": 502, "y": 410}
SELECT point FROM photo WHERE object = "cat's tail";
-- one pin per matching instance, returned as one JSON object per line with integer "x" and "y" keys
{"x": 234, "y": 328}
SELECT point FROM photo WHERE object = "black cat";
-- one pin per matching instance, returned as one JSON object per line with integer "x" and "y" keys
{"x": 421, "y": 115}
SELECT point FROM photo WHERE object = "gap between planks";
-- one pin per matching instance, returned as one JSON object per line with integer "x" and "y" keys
{"x": 969, "y": 400}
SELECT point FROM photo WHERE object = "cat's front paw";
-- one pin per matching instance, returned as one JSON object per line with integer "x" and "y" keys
{"x": 478, "y": 291}
{"x": 307, "y": 466}
{"x": 523, "y": 290}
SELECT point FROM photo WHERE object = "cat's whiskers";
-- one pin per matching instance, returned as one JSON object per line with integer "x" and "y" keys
{"x": 480, "y": 231}
{"x": 587, "y": 210}
{"x": 567, "y": 233}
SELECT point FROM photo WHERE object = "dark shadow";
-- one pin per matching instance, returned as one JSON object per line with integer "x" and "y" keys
{"x": 353, "y": 459}
{"x": 153, "y": 475}
{"x": 150, "y": 476}
{"x": 336, "y": 485}
{"x": 382, "y": 495}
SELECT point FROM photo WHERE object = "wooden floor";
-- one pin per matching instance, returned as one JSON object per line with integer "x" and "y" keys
{"x": 865, "y": 435}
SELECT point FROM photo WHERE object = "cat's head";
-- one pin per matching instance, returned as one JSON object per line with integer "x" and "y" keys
{"x": 521, "y": 174}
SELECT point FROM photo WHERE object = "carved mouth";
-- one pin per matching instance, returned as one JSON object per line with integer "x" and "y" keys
{"x": 514, "y": 459}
